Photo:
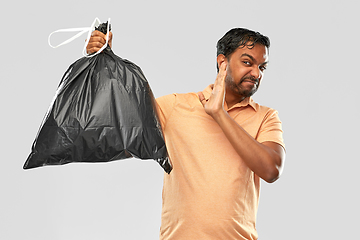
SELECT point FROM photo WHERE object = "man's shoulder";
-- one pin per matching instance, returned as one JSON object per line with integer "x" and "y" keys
{"x": 259, "y": 108}
{"x": 263, "y": 108}
{"x": 175, "y": 95}
{"x": 174, "y": 98}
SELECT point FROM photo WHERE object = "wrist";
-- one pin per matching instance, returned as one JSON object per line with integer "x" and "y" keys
{"x": 219, "y": 115}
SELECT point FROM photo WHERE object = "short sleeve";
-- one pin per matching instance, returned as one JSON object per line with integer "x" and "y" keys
{"x": 271, "y": 129}
{"x": 165, "y": 106}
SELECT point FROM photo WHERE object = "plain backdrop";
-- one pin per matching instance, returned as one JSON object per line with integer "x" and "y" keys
{"x": 311, "y": 80}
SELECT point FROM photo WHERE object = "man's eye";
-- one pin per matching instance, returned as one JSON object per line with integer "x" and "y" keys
{"x": 247, "y": 63}
{"x": 262, "y": 68}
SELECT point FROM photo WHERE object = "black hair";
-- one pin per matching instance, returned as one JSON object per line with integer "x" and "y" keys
{"x": 240, "y": 37}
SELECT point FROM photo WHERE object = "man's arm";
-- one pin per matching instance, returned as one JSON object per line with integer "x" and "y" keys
{"x": 264, "y": 159}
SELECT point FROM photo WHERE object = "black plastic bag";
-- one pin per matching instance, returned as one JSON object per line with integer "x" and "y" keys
{"x": 104, "y": 110}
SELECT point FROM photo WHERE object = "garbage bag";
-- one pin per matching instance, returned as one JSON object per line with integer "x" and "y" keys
{"x": 104, "y": 110}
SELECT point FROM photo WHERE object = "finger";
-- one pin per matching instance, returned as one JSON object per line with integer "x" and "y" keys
{"x": 220, "y": 79}
{"x": 97, "y": 36}
{"x": 97, "y": 40}
{"x": 92, "y": 50}
{"x": 93, "y": 47}
{"x": 110, "y": 36}
{"x": 97, "y": 33}
{"x": 110, "y": 39}
{"x": 222, "y": 71}
{"x": 202, "y": 98}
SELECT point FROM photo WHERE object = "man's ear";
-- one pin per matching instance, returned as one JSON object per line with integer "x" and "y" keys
{"x": 220, "y": 59}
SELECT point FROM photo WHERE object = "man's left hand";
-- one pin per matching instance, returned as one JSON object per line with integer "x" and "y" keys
{"x": 215, "y": 103}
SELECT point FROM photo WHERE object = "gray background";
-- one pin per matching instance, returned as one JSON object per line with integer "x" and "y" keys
{"x": 311, "y": 80}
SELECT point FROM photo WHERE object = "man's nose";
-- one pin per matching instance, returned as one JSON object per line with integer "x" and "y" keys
{"x": 256, "y": 72}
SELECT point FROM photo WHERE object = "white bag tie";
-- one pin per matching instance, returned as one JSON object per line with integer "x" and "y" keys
{"x": 81, "y": 31}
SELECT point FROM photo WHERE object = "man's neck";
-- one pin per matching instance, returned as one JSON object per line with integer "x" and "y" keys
{"x": 232, "y": 100}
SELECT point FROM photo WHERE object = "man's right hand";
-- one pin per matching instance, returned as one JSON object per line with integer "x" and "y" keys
{"x": 97, "y": 41}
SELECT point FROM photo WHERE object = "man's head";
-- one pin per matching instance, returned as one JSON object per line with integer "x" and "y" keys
{"x": 246, "y": 54}
{"x": 240, "y": 37}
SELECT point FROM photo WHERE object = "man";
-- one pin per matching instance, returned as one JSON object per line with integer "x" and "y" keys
{"x": 220, "y": 143}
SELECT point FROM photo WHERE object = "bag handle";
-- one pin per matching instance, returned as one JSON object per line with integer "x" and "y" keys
{"x": 81, "y": 31}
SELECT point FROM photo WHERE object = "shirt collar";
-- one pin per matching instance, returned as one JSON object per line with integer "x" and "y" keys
{"x": 247, "y": 101}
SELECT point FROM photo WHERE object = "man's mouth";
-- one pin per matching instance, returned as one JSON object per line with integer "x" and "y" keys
{"x": 255, "y": 82}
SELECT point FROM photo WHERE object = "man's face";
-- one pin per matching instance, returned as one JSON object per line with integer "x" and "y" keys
{"x": 245, "y": 70}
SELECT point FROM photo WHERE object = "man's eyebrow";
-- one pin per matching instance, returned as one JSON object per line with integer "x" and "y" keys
{"x": 247, "y": 55}
{"x": 252, "y": 58}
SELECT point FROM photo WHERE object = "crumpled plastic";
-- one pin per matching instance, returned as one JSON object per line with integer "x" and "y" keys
{"x": 104, "y": 110}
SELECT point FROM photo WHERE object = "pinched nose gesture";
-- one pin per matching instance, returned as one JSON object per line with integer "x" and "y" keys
{"x": 215, "y": 103}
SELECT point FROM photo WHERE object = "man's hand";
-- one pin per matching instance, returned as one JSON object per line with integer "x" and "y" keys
{"x": 215, "y": 103}
{"x": 97, "y": 41}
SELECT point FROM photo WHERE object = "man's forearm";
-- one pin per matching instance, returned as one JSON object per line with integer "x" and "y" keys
{"x": 264, "y": 159}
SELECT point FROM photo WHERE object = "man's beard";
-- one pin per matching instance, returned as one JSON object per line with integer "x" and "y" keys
{"x": 237, "y": 88}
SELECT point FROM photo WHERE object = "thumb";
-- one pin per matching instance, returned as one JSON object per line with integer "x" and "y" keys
{"x": 110, "y": 39}
{"x": 201, "y": 98}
